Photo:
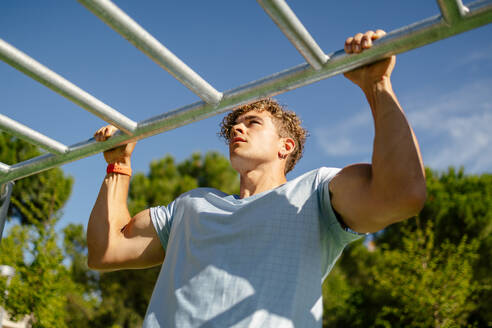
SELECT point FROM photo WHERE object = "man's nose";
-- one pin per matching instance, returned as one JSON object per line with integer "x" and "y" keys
{"x": 238, "y": 128}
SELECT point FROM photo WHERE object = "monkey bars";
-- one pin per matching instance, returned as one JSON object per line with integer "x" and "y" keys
{"x": 455, "y": 18}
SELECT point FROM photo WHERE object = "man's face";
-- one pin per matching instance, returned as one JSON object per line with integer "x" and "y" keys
{"x": 254, "y": 141}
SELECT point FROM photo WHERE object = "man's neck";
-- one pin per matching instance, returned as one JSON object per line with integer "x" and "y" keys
{"x": 259, "y": 180}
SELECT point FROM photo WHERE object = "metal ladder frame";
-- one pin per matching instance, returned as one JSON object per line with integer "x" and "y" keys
{"x": 455, "y": 18}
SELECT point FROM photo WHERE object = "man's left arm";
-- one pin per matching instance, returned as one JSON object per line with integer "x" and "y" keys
{"x": 369, "y": 197}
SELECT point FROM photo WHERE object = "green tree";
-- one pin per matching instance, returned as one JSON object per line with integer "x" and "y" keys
{"x": 82, "y": 300}
{"x": 338, "y": 299}
{"x": 426, "y": 286}
{"x": 419, "y": 284}
{"x": 37, "y": 197}
{"x": 41, "y": 281}
{"x": 459, "y": 205}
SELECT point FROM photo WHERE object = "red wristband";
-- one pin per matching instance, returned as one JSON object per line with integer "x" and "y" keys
{"x": 116, "y": 168}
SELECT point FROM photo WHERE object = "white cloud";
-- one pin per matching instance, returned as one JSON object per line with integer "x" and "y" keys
{"x": 454, "y": 129}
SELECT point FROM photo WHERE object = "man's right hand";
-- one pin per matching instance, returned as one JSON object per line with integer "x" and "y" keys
{"x": 120, "y": 154}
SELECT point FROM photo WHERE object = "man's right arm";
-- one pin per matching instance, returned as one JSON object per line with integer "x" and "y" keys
{"x": 116, "y": 240}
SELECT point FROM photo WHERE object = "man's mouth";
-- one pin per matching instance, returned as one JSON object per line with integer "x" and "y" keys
{"x": 238, "y": 139}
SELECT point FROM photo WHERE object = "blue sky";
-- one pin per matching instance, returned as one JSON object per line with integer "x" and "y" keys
{"x": 445, "y": 88}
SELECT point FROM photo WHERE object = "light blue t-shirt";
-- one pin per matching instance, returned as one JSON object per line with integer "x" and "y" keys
{"x": 252, "y": 262}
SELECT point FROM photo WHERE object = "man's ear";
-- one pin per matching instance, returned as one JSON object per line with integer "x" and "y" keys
{"x": 288, "y": 147}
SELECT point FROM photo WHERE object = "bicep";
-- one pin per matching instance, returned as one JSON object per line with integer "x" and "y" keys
{"x": 354, "y": 199}
{"x": 137, "y": 245}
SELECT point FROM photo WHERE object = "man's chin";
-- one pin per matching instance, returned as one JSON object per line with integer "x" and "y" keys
{"x": 238, "y": 162}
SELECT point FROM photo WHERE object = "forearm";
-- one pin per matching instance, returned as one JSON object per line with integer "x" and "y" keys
{"x": 108, "y": 217}
{"x": 398, "y": 174}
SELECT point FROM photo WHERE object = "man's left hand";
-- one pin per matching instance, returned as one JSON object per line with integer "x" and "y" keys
{"x": 369, "y": 75}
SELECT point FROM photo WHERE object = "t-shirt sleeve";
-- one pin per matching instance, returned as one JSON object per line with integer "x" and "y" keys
{"x": 333, "y": 236}
{"x": 162, "y": 218}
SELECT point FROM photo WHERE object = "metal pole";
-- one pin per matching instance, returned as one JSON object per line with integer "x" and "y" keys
{"x": 30, "y": 135}
{"x": 5, "y": 193}
{"x": 293, "y": 29}
{"x": 109, "y": 13}
{"x": 55, "y": 82}
{"x": 452, "y": 10}
{"x": 395, "y": 42}
{"x": 4, "y": 168}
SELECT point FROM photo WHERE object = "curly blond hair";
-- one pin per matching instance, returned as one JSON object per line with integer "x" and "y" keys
{"x": 287, "y": 122}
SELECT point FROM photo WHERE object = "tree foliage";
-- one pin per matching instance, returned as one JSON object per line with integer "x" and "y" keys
{"x": 38, "y": 288}
{"x": 41, "y": 281}
{"x": 82, "y": 300}
{"x": 439, "y": 280}
{"x": 37, "y": 197}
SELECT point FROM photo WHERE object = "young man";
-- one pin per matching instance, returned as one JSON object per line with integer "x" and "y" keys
{"x": 258, "y": 259}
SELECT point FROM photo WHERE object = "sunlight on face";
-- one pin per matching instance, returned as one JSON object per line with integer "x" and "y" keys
{"x": 254, "y": 141}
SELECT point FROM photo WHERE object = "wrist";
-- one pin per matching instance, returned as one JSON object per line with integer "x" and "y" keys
{"x": 381, "y": 85}
{"x": 121, "y": 161}
{"x": 119, "y": 169}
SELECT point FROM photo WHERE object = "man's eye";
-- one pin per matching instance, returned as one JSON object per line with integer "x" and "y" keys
{"x": 257, "y": 122}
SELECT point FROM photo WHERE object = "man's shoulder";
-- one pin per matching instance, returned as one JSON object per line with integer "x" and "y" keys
{"x": 327, "y": 173}
{"x": 310, "y": 182}
{"x": 320, "y": 174}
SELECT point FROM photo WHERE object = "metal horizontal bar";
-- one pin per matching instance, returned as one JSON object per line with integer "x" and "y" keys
{"x": 293, "y": 29}
{"x": 21, "y": 131}
{"x": 452, "y": 10}
{"x": 119, "y": 21}
{"x": 479, "y": 7}
{"x": 395, "y": 42}
{"x": 4, "y": 168}
{"x": 57, "y": 83}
